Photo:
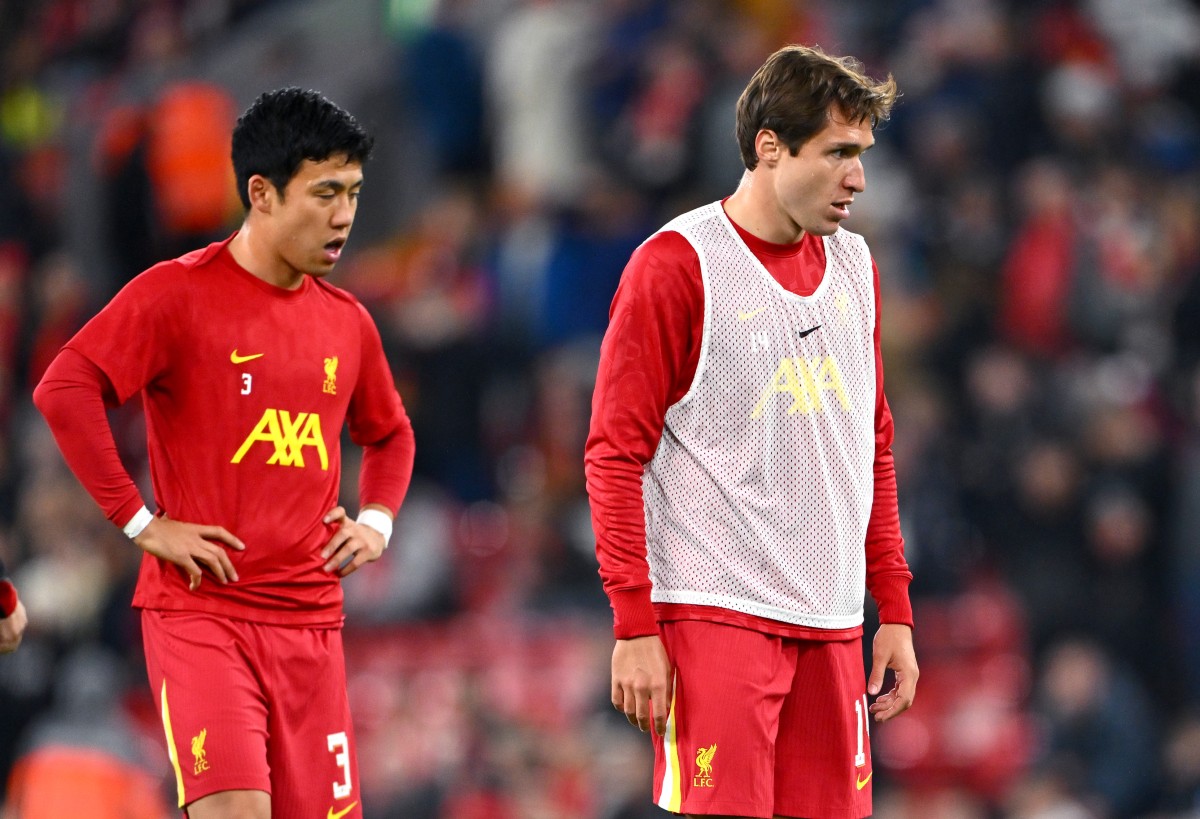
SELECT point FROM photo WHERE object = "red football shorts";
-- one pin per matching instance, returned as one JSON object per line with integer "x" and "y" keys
{"x": 249, "y": 706}
{"x": 763, "y": 725}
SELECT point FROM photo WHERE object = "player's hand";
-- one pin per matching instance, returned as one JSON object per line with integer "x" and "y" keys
{"x": 893, "y": 648}
{"x": 641, "y": 682}
{"x": 192, "y": 547}
{"x": 12, "y": 629}
{"x": 352, "y": 546}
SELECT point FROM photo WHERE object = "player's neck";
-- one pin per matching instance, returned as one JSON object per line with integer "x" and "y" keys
{"x": 754, "y": 208}
{"x": 253, "y": 252}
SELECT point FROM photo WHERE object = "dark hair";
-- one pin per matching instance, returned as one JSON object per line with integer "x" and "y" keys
{"x": 792, "y": 94}
{"x": 282, "y": 128}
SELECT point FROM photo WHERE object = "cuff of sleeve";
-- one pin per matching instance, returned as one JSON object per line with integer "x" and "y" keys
{"x": 8, "y": 598}
{"x": 126, "y": 511}
{"x": 140, "y": 520}
{"x": 891, "y": 598}
{"x": 378, "y": 521}
{"x": 633, "y": 613}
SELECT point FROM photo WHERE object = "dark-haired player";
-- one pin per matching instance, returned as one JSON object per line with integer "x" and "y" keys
{"x": 740, "y": 471}
{"x": 249, "y": 365}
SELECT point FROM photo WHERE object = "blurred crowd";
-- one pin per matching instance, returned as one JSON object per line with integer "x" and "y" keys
{"x": 1034, "y": 208}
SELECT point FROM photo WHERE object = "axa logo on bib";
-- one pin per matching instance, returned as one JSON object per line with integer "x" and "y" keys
{"x": 806, "y": 381}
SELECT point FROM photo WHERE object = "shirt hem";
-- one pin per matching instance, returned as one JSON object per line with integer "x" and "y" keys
{"x": 758, "y": 609}
{"x": 287, "y": 619}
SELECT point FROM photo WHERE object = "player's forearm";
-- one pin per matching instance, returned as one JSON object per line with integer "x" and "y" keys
{"x": 387, "y": 468}
{"x": 888, "y": 575}
{"x": 70, "y": 397}
{"x": 615, "y": 492}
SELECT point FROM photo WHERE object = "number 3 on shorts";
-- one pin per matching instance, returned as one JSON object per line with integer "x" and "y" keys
{"x": 339, "y": 746}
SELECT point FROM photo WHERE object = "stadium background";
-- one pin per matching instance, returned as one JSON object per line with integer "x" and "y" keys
{"x": 1034, "y": 209}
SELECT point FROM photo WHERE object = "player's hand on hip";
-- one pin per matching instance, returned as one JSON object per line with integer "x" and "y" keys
{"x": 12, "y": 629}
{"x": 192, "y": 547}
{"x": 352, "y": 546}
{"x": 641, "y": 682}
{"x": 893, "y": 648}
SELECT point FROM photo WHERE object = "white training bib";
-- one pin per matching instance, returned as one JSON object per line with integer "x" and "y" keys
{"x": 758, "y": 496}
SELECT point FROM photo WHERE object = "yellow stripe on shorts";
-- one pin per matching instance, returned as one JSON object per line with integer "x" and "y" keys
{"x": 166, "y": 719}
{"x": 672, "y": 789}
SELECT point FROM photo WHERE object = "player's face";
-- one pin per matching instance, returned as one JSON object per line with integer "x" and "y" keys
{"x": 814, "y": 188}
{"x": 311, "y": 221}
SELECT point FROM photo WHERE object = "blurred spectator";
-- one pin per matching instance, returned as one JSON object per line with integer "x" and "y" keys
{"x": 168, "y": 177}
{"x": 83, "y": 758}
{"x": 535, "y": 84}
{"x": 1097, "y": 728}
{"x": 441, "y": 79}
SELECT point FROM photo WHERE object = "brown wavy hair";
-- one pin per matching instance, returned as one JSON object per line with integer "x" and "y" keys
{"x": 793, "y": 91}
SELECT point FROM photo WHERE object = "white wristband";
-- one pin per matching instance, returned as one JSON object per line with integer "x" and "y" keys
{"x": 379, "y": 521}
{"x": 138, "y": 522}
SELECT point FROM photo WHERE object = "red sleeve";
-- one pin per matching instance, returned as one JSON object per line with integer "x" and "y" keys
{"x": 8, "y": 595}
{"x": 153, "y": 305}
{"x": 888, "y": 575}
{"x": 72, "y": 396}
{"x": 647, "y": 362}
{"x": 379, "y": 424}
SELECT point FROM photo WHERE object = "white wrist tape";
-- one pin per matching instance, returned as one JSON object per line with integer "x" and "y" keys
{"x": 378, "y": 521}
{"x": 138, "y": 522}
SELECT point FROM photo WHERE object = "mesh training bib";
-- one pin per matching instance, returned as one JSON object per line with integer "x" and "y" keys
{"x": 758, "y": 496}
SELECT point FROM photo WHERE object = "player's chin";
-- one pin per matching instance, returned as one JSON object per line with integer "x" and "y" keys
{"x": 320, "y": 268}
{"x": 824, "y": 227}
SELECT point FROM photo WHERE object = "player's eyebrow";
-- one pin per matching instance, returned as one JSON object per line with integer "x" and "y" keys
{"x": 841, "y": 146}
{"x": 335, "y": 185}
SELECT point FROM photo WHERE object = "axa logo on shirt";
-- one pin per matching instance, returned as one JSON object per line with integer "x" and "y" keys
{"x": 806, "y": 380}
{"x": 289, "y": 436}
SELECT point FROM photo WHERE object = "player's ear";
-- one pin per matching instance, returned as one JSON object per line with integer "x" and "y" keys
{"x": 262, "y": 193}
{"x": 768, "y": 145}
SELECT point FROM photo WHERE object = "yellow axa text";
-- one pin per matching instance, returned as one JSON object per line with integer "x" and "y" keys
{"x": 806, "y": 380}
{"x": 289, "y": 436}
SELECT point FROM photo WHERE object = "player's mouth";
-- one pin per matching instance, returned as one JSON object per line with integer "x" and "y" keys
{"x": 333, "y": 250}
{"x": 843, "y": 208}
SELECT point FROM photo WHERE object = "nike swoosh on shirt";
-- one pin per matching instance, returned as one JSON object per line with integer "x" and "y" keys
{"x": 746, "y": 315}
{"x": 862, "y": 783}
{"x": 809, "y": 331}
{"x": 340, "y": 813}
{"x": 241, "y": 359}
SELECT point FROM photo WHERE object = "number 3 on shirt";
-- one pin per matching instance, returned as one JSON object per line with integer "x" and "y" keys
{"x": 339, "y": 746}
{"x": 247, "y": 381}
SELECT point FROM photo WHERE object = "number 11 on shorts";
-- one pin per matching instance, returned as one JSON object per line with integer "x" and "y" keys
{"x": 864, "y": 731}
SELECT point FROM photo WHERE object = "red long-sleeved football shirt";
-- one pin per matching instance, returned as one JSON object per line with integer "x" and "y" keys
{"x": 246, "y": 388}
